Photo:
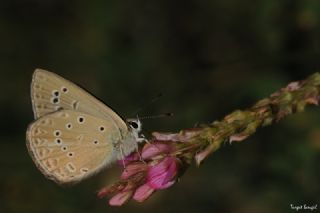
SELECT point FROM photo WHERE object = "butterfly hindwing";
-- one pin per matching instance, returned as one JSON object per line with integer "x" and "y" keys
{"x": 69, "y": 146}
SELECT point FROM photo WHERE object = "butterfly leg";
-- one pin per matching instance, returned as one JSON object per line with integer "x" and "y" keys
{"x": 139, "y": 154}
{"x": 122, "y": 157}
{"x": 142, "y": 138}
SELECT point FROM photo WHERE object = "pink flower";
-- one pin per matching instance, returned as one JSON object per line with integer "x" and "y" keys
{"x": 120, "y": 198}
{"x": 156, "y": 167}
{"x": 133, "y": 168}
{"x": 143, "y": 192}
{"x": 140, "y": 179}
{"x": 132, "y": 157}
{"x": 161, "y": 175}
{"x": 151, "y": 150}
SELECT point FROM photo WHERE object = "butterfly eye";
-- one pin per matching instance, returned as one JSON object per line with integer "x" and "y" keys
{"x": 134, "y": 124}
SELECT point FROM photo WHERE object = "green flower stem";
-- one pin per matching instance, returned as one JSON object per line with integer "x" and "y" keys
{"x": 240, "y": 124}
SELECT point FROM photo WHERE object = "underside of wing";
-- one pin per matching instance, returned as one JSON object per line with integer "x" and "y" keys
{"x": 50, "y": 92}
{"x": 69, "y": 146}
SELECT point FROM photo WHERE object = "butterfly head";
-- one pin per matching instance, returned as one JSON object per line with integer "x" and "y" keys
{"x": 134, "y": 124}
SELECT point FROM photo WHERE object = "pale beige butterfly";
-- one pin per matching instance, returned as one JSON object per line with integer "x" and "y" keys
{"x": 75, "y": 135}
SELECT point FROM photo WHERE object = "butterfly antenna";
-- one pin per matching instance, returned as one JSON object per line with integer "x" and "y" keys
{"x": 148, "y": 104}
{"x": 168, "y": 114}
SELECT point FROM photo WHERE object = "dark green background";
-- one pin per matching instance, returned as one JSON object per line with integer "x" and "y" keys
{"x": 207, "y": 57}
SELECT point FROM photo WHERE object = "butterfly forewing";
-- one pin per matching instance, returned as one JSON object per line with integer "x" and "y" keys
{"x": 50, "y": 92}
{"x": 69, "y": 146}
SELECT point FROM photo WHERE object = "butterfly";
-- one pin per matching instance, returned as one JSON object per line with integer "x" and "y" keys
{"x": 75, "y": 135}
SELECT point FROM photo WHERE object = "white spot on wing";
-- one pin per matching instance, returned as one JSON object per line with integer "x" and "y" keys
{"x": 57, "y": 133}
{"x": 64, "y": 89}
{"x": 55, "y": 93}
{"x": 84, "y": 170}
{"x": 70, "y": 154}
{"x": 71, "y": 167}
{"x": 102, "y": 128}
{"x": 58, "y": 141}
{"x": 81, "y": 119}
{"x": 69, "y": 126}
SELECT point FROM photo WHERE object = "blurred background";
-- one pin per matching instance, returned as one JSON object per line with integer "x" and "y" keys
{"x": 208, "y": 58}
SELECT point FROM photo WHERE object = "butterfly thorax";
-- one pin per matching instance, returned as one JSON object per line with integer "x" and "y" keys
{"x": 130, "y": 141}
{"x": 125, "y": 146}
